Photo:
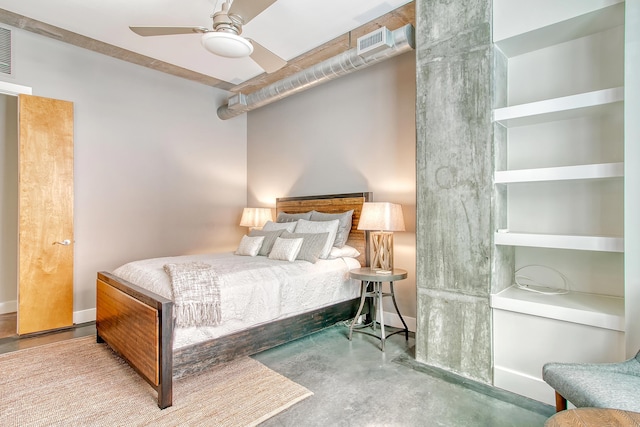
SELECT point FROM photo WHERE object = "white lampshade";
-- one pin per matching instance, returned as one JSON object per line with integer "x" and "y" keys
{"x": 381, "y": 216}
{"x": 381, "y": 219}
{"x": 255, "y": 217}
{"x": 228, "y": 45}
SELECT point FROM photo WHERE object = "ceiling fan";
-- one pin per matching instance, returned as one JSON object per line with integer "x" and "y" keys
{"x": 224, "y": 38}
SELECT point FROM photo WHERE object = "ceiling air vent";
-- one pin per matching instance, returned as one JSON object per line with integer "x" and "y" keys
{"x": 5, "y": 51}
{"x": 372, "y": 43}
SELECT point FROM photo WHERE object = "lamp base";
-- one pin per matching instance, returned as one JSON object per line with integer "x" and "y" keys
{"x": 381, "y": 251}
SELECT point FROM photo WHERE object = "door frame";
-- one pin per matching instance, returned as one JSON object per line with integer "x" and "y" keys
{"x": 14, "y": 89}
{"x": 11, "y": 89}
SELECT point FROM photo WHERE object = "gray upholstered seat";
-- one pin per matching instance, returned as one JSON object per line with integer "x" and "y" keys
{"x": 601, "y": 385}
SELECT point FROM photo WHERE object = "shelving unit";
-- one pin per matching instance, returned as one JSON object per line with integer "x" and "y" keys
{"x": 532, "y": 329}
{"x": 579, "y": 243}
{"x": 597, "y": 16}
{"x": 562, "y": 173}
{"x": 600, "y": 311}
{"x": 561, "y": 108}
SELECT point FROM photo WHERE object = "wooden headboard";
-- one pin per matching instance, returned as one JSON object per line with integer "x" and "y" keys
{"x": 333, "y": 203}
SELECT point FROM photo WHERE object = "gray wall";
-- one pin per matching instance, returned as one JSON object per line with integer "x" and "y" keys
{"x": 156, "y": 172}
{"x": 356, "y": 133}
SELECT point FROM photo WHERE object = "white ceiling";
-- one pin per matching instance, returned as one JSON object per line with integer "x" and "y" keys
{"x": 288, "y": 28}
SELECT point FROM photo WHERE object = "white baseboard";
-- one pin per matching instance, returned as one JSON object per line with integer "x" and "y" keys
{"x": 8, "y": 307}
{"x": 84, "y": 316}
{"x": 523, "y": 384}
{"x": 393, "y": 320}
{"x": 390, "y": 319}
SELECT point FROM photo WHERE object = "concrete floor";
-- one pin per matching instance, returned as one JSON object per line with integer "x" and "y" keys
{"x": 355, "y": 384}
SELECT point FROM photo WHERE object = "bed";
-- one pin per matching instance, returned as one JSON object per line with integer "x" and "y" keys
{"x": 139, "y": 325}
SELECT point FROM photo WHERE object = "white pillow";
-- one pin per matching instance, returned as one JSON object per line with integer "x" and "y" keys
{"x": 249, "y": 245}
{"x": 273, "y": 226}
{"x": 331, "y": 227}
{"x": 345, "y": 251}
{"x": 286, "y": 249}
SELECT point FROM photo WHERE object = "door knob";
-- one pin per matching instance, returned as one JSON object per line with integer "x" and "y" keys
{"x": 65, "y": 242}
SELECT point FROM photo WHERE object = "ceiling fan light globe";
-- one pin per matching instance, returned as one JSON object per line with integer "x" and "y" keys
{"x": 227, "y": 44}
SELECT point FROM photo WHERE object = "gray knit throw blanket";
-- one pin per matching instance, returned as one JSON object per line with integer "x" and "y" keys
{"x": 196, "y": 294}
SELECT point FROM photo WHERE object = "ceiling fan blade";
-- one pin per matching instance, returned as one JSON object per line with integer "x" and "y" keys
{"x": 167, "y": 31}
{"x": 249, "y": 9}
{"x": 266, "y": 59}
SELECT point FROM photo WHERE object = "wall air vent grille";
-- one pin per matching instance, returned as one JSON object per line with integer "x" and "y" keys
{"x": 5, "y": 51}
{"x": 374, "y": 42}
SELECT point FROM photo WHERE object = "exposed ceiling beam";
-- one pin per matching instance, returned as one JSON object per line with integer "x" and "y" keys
{"x": 44, "y": 29}
{"x": 392, "y": 20}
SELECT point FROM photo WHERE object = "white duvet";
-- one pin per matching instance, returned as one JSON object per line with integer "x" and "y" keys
{"x": 253, "y": 290}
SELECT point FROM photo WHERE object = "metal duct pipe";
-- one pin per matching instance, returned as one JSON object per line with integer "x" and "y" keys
{"x": 400, "y": 41}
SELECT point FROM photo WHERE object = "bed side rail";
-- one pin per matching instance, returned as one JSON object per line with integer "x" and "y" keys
{"x": 197, "y": 358}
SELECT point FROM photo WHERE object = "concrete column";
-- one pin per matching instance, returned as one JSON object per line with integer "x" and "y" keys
{"x": 455, "y": 163}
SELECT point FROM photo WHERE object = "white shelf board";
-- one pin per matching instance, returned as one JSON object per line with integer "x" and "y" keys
{"x": 563, "y": 173}
{"x": 560, "y": 32}
{"x": 558, "y": 108}
{"x": 558, "y": 241}
{"x": 601, "y": 311}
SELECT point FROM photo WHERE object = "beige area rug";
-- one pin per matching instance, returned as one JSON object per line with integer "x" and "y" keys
{"x": 81, "y": 383}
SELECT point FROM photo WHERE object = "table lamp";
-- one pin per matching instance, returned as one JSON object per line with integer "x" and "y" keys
{"x": 381, "y": 219}
{"x": 255, "y": 217}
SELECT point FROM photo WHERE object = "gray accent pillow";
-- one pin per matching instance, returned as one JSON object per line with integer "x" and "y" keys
{"x": 269, "y": 239}
{"x": 288, "y": 217}
{"x": 312, "y": 244}
{"x": 331, "y": 227}
{"x": 344, "y": 227}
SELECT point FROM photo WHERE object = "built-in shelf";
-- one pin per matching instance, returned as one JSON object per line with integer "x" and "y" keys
{"x": 558, "y": 241}
{"x": 563, "y": 173}
{"x": 561, "y": 63}
{"x": 559, "y": 32}
{"x": 601, "y": 311}
{"x": 562, "y": 108}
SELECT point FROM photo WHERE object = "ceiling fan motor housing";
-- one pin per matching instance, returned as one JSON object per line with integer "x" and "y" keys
{"x": 225, "y": 22}
{"x": 225, "y": 39}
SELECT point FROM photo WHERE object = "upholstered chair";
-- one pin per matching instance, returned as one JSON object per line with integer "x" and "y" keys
{"x": 600, "y": 385}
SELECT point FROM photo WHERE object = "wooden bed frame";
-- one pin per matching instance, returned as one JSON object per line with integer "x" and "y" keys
{"x": 138, "y": 324}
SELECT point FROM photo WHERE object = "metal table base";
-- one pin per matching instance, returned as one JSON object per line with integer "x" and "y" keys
{"x": 376, "y": 294}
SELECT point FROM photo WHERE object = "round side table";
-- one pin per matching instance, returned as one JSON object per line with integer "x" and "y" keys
{"x": 371, "y": 286}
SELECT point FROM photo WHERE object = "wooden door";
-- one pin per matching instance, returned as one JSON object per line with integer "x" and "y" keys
{"x": 45, "y": 214}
